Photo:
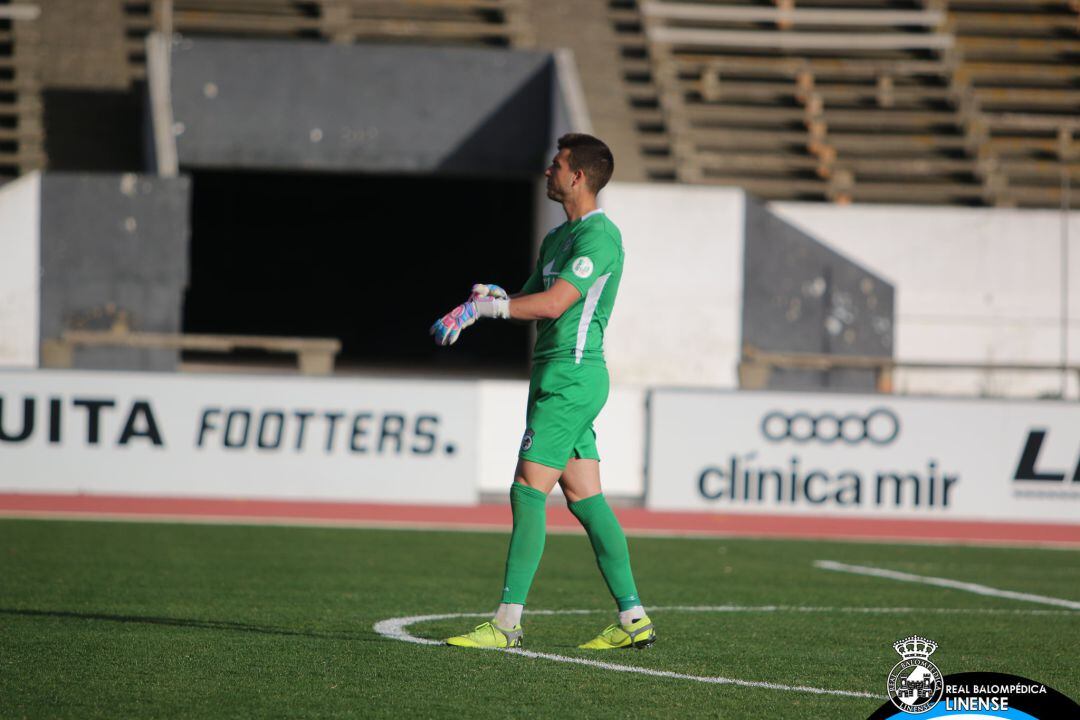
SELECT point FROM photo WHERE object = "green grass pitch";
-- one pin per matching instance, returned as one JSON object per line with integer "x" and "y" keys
{"x": 133, "y": 620}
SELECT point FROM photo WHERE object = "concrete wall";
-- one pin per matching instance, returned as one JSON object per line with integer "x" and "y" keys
{"x": 677, "y": 318}
{"x": 360, "y": 108}
{"x": 973, "y": 285}
{"x": 113, "y": 244}
{"x": 20, "y": 273}
{"x": 802, "y": 296}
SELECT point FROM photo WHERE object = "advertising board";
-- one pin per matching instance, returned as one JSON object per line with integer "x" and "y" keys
{"x": 863, "y": 456}
{"x": 241, "y": 437}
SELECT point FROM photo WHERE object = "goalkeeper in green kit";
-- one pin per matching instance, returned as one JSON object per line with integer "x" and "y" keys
{"x": 570, "y": 294}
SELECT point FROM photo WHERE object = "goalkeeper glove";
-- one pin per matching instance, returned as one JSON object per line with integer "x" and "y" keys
{"x": 492, "y": 291}
{"x": 485, "y": 301}
{"x": 447, "y": 328}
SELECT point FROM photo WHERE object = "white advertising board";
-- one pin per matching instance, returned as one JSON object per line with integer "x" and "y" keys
{"x": 241, "y": 437}
{"x": 864, "y": 456}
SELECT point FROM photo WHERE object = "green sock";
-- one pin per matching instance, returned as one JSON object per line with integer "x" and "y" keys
{"x": 529, "y": 506}
{"x": 609, "y": 544}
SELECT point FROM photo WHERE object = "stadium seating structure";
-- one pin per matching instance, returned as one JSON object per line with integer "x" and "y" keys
{"x": 970, "y": 102}
{"x": 20, "y": 92}
{"x": 498, "y": 23}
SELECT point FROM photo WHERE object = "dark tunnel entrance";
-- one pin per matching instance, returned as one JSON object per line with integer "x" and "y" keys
{"x": 371, "y": 260}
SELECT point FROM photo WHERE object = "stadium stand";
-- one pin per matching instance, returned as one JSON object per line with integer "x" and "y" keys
{"x": 458, "y": 22}
{"x": 886, "y": 101}
{"x": 1014, "y": 68}
{"x": 642, "y": 97}
{"x": 917, "y": 101}
{"x": 811, "y": 102}
{"x": 20, "y": 91}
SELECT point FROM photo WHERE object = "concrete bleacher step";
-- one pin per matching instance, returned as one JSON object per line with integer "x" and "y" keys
{"x": 967, "y": 22}
{"x": 1032, "y": 123}
{"x": 996, "y": 98}
{"x": 846, "y": 118}
{"x": 918, "y": 193}
{"x": 1003, "y": 73}
{"x": 1018, "y": 170}
{"x": 836, "y": 43}
{"x": 895, "y": 144}
{"x": 21, "y": 106}
{"x": 1029, "y": 147}
{"x": 772, "y": 189}
{"x": 833, "y": 94}
{"x": 707, "y": 15}
{"x": 455, "y": 22}
{"x": 1017, "y": 48}
{"x": 1052, "y": 6}
{"x": 838, "y": 68}
{"x": 1041, "y": 196}
{"x": 761, "y": 162}
{"x": 866, "y": 144}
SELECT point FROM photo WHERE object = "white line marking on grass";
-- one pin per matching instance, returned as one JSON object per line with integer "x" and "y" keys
{"x": 865, "y": 610}
{"x": 396, "y": 629}
{"x": 944, "y": 582}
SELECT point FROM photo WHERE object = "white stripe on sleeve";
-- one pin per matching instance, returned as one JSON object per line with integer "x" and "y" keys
{"x": 592, "y": 299}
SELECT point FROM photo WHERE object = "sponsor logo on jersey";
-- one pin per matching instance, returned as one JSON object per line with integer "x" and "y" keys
{"x": 549, "y": 269}
{"x": 582, "y": 267}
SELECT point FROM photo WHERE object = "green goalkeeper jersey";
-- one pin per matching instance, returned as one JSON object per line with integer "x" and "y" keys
{"x": 588, "y": 254}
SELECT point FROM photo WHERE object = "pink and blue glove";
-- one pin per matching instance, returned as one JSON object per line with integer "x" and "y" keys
{"x": 447, "y": 328}
{"x": 484, "y": 301}
{"x": 492, "y": 291}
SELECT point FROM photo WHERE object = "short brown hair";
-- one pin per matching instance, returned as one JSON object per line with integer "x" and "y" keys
{"x": 591, "y": 156}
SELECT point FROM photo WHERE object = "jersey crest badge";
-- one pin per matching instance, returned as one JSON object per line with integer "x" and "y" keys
{"x": 526, "y": 441}
{"x": 582, "y": 267}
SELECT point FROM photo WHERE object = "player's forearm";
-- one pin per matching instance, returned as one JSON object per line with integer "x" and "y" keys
{"x": 537, "y": 306}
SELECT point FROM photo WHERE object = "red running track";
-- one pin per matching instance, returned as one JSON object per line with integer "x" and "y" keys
{"x": 636, "y": 521}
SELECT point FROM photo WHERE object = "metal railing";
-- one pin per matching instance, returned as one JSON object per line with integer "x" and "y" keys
{"x": 756, "y": 367}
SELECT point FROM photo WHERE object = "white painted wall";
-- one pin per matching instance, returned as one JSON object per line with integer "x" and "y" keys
{"x": 973, "y": 285}
{"x": 978, "y": 285}
{"x": 620, "y": 432}
{"x": 678, "y": 314}
{"x": 20, "y": 222}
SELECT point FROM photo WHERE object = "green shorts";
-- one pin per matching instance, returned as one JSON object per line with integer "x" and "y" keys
{"x": 564, "y": 400}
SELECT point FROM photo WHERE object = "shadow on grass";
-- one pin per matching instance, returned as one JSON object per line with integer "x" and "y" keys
{"x": 189, "y": 623}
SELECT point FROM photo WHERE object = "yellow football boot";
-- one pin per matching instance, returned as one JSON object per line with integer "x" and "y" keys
{"x": 486, "y": 635}
{"x": 638, "y": 634}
